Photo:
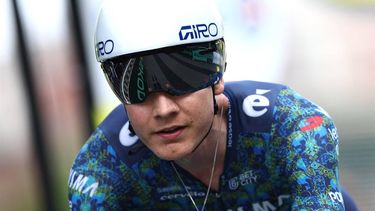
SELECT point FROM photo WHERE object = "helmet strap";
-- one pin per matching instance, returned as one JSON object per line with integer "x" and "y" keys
{"x": 216, "y": 107}
{"x": 130, "y": 127}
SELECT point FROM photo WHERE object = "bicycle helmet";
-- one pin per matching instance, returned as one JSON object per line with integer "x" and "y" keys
{"x": 168, "y": 45}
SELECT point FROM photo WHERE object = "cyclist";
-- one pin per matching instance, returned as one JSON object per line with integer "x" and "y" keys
{"x": 185, "y": 140}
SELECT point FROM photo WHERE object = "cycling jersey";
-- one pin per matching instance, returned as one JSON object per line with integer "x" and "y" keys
{"x": 282, "y": 154}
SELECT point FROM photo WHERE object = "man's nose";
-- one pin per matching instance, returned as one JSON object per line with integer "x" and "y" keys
{"x": 164, "y": 104}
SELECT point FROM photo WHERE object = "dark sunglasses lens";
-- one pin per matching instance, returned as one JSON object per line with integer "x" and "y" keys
{"x": 177, "y": 70}
{"x": 126, "y": 79}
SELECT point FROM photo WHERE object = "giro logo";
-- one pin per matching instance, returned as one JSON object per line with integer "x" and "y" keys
{"x": 256, "y": 105}
{"x": 198, "y": 31}
{"x": 104, "y": 47}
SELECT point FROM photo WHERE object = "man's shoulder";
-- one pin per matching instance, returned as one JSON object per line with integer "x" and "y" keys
{"x": 95, "y": 154}
{"x": 252, "y": 104}
{"x": 254, "y": 97}
{"x": 99, "y": 165}
{"x": 98, "y": 177}
{"x": 116, "y": 129}
{"x": 114, "y": 121}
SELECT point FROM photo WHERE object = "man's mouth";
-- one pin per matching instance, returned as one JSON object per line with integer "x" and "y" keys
{"x": 171, "y": 132}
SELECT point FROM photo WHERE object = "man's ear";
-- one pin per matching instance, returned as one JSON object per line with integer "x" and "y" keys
{"x": 219, "y": 87}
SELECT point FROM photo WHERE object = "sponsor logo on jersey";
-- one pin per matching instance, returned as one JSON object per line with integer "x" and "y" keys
{"x": 246, "y": 178}
{"x": 82, "y": 183}
{"x": 168, "y": 195}
{"x": 230, "y": 127}
{"x": 333, "y": 133}
{"x": 256, "y": 105}
{"x": 336, "y": 196}
{"x": 126, "y": 137}
{"x": 198, "y": 31}
{"x": 171, "y": 196}
{"x": 311, "y": 123}
{"x": 182, "y": 195}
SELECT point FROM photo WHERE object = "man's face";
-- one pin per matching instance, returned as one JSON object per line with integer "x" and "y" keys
{"x": 172, "y": 126}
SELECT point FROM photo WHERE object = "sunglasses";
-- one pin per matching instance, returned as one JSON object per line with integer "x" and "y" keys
{"x": 176, "y": 70}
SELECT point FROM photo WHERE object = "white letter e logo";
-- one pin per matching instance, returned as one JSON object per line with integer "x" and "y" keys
{"x": 256, "y": 101}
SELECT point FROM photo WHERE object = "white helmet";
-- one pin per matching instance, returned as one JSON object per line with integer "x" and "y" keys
{"x": 146, "y": 46}
{"x": 131, "y": 26}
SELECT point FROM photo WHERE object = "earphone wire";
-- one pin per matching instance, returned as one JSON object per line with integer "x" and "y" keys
{"x": 212, "y": 170}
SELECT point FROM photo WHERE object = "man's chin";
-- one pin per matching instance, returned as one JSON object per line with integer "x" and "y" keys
{"x": 172, "y": 156}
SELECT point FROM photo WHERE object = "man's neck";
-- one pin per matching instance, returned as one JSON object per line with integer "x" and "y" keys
{"x": 200, "y": 162}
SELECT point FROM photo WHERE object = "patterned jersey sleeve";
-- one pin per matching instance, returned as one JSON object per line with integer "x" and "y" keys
{"x": 308, "y": 147}
{"x": 93, "y": 181}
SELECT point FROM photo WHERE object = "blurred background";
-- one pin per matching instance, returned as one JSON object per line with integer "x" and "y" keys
{"x": 53, "y": 92}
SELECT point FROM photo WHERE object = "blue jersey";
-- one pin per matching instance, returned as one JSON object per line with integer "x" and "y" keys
{"x": 282, "y": 154}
